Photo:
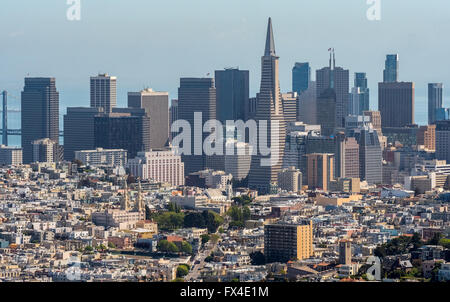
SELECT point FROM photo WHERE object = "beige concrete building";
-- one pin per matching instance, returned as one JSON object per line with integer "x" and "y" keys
{"x": 320, "y": 170}
{"x": 284, "y": 242}
{"x": 290, "y": 179}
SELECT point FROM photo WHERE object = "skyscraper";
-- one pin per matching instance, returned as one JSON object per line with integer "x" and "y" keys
{"x": 156, "y": 105}
{"x": 103, "y": 92}
{"x": 370, "y": 155}
{"x": 196, "y": 95}
{"x": 335, "y": 78}
{"x": 320, "y": 170}
{"x": 443, "y": 140}
{"x": 434, "y": 101}
{"x": 269, "y": 108}
{"x": 359, "y": 98}
{"x": 307, "y": 108}
{"x": 173, "y": 116}
{"x": 396, "y": 104}
{"x": 346, "y": 156}
{"x": 127, "y": 129}
{"x": 40, "y": 113}
{"x": 390, "y": 73}
{"x": 232, "y": 94}
{"x": 301, "y": 76}
{"x": 290, "y": 106}
{"x": 79, "y": 130}
{"x": 326, "y": 111}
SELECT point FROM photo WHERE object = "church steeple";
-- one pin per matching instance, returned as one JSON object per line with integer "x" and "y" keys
{"x": 125, "y": 204}
{"x": 270, "y": 43}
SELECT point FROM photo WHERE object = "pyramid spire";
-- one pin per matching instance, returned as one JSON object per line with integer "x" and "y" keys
{"x": 270, "y": 43}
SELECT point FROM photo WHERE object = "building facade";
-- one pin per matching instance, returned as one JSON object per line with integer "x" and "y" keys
{"x": 103, "y": 92}
{"x": 40, "y": 113}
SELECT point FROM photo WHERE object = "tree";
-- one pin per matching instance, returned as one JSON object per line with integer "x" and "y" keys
{"x": 186, "y": 247}
{"x": 194, "y": 220}
{"x": 182, "y": 270}
{"x": 167, "y": 247}
{"x": 111, "y": 245}
{"x": 173, "y": 207}
{"x": 205, "y": 238}
{"x": 170, "y": 220}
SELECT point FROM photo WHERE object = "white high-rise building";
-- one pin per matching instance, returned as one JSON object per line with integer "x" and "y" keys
{"x": 159, "y": 166}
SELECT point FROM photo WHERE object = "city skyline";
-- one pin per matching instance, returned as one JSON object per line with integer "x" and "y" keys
{"x": 216, "y": 35}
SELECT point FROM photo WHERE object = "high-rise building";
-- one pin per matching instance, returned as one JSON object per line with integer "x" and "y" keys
{"x": 123, "y": 130}
{"x": 79, "y": 130}
{"x": 434, "y": 101}
{"x": 238, "y": 163}
{"x": 326, "y": 112}
{"x": 296, "y": 144}
{"x": 102, "y": 157}
{"x": 390, "y": 73}
{"x": 375, "y": 119}
{"x": 103, "y": 92}
{"x": 320, "y": 170}
{"x": 156, "y": 105}
{"x": 443, "y": 140}
{"x": 301, "y": 77}
{"x": 232, "y": 94}
{"x": 426, "y": 136}
{"x": 370, "y": 155}
{"x": 290, "y": 179}
{"x": 396, "y": 104}
{"x": 345, "y": 252}
{"x": 307, "y": 108}
{"x": 290, "y": 106}
{"x": 264, "y": 171}
{"x": 159, "y": 166}
{"x": 359, "y": 98}
{"x": 335, "y": 78}
{"x": 40, "y": 113}
{"x": 10, "y": 156}
{"x": 45, "y": 150}
{"x": 346, "y": 157}
{"x": 284, "y": 242}
{"x": 173, "y": 116}
{"x": 196, "y": 96}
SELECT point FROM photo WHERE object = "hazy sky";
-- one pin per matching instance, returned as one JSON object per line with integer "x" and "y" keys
{"x": 154, "y": 43}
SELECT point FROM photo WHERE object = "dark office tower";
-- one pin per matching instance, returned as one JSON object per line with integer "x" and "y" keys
{"x": 196, "y": 95}
{"x": 359, "y": 98}
{"x": 335, "y": 78}
{"x": 124, "y": 128}
{"x": 396, "y": 104}
{"x": 345, "y": 252}
{"x": 326, "y": 112}
{"x": 370, "y": 155}
{"x": 390, "y": 73}
{"x": 40, "y": 113}
{"x": 103, "y": 92}
{"x": 264, "y": 169}
{"x": 156, "y": 105}
{"x": 434, "y": 101}
{"x": 443, "y": 140}
{"x": 232, "y": 93}
{"x": 79, "y": 130}
{"x": 173, "y": 116}
{"x": 346, "y": 156}
{"x": 301, "y": 76}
